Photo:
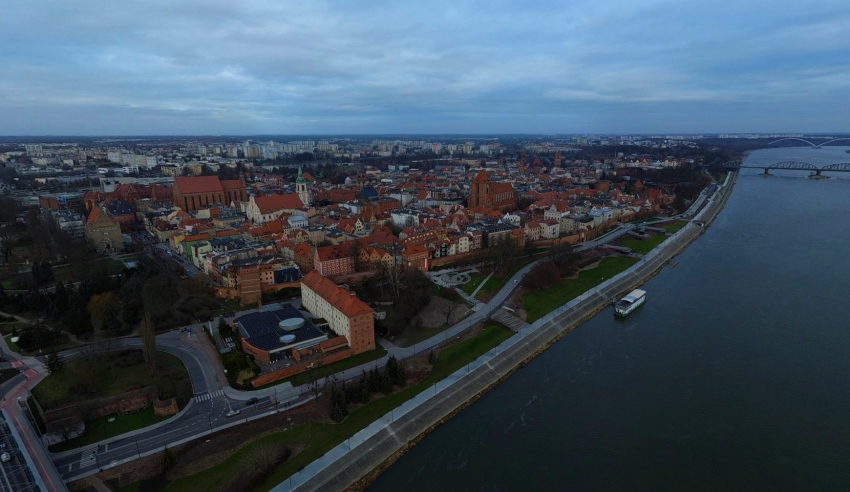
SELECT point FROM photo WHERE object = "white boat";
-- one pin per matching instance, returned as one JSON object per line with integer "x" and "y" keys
{"x": 629, "y": 303}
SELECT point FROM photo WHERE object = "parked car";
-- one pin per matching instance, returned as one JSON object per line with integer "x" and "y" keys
{"x": 252, "y": 401}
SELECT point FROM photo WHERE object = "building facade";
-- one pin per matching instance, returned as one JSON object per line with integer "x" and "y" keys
{"x": 346, "y": 314}
{"x": 492, "y": 195}
{"x": 103, "y": 232}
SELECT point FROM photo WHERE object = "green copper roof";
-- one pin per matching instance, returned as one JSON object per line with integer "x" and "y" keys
{"x": 300, "y": 178}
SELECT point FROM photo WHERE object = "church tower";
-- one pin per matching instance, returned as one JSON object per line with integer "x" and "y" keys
{"x": 301, "y": 188}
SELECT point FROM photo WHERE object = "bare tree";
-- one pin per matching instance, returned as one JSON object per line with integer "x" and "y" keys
{"x": 393, "y": 279}
{"x": 257, "y": 459}
{"x": 447, "y": 310}
{"x": 148, "y": 330}
{"x": 69, "y": 431}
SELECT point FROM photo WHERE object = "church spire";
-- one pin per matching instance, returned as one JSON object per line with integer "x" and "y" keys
{"x": 300, "y": 178}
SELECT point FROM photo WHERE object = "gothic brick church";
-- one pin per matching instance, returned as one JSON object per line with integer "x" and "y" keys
{"x": 195, "y": 193}
{"x": 499, "y": 196}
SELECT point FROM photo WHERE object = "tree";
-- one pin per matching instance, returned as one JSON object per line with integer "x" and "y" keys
{"x": 42, "y": 272}
{"x": 447, "y": 309}
{"x": 395, "y": 371}
{"x": 168, "y": 460}
{"x": 112, "y": 316}
{"x": 542, "y": 276}
{"x": 148, "y": 330}
{"x": 60, "y": 300}
{"x": 98, "y": 303}
{"x": 316, "y": 379}
{"x": 363, "y": 387}
{"x": 55, "y": 364}
{"x": 338, "y": 401}
{"x": 354, "y": 249}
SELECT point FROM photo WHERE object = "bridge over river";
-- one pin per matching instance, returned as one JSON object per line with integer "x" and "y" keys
{"x": 790, "y": 166}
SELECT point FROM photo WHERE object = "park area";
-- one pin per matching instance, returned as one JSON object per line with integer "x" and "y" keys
{"x": 541, "y": 302}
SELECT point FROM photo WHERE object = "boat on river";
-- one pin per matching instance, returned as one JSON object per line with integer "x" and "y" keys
{"x": 629, "y": 303}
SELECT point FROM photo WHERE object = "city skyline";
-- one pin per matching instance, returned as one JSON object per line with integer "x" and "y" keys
{"x": 159, "y": 68}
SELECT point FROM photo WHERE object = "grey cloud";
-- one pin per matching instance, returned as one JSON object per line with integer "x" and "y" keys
{"x": 305, "y": 67}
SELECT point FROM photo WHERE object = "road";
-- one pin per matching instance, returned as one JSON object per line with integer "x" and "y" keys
{"x": 28, "y": 451}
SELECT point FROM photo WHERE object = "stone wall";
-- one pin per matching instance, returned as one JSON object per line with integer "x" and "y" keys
{"x": 125, "y": 403}
{"x": 162, "y": 408}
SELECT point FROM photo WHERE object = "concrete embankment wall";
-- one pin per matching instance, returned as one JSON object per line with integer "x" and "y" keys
{"x": 369, "y": 457}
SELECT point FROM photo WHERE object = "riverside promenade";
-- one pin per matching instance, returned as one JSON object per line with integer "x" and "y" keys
{"x": 357, "y": 461}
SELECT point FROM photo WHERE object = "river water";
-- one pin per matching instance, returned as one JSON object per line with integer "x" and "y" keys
{"x": 734, "y": 375}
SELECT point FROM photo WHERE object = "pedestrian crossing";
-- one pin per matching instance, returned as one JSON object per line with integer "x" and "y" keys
{"x": 208, "y": 396}
{"x": 88, "y": 458}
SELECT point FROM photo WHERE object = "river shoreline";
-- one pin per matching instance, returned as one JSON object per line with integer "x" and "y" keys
{"x": 381, "y": 451}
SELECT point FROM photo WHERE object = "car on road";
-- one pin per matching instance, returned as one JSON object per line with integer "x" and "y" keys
{"x": 232, "y": 413}
{"x": 252, "y": 401}
{"x": 5, "y": 457}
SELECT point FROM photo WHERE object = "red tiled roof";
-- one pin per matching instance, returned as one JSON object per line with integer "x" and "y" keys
{"x": 93, "y": 216}
{"x": 198, "y": 184}
{"x": 345, "y": 302}
{"x": 303, "y": 250}
{"x": 334, "y": 252}
{"x": 272, "y": 203}
{"x": 232, "y": 184}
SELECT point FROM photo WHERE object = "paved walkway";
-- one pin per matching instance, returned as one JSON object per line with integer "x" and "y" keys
{"x": 509, "y": 320}
{"x": 475, "y": 292}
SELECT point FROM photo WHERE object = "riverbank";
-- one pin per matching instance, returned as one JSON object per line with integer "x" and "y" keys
{"x": 384, "y": 447}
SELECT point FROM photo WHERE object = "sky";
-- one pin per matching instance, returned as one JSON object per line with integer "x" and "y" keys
{"x": 166, "y": 67}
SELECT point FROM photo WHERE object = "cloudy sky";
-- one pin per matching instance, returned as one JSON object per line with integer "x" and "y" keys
{"x": 97, "y": 67}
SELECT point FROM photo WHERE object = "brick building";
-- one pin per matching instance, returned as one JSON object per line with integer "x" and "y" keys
{"x": 195, "y": 193}
{"x": 499, "y": 196}
{"x": 346, "y": 314}
{"x": 103, "y": 232}
{"x": 334, "y": 260}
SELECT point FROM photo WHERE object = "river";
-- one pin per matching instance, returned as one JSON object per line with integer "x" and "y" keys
{"x": 734, "y": 375}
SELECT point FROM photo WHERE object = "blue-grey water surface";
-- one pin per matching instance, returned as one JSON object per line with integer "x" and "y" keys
{"x": 734, "y": 375}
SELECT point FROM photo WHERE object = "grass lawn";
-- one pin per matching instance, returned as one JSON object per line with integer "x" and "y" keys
{"x": 13, "y": 346}
{"x": 642, "y": 246}
{"x": 102, "y": 428}
{"x": 326, "y": 436}
{"x": 409, "y": 338}
{"x": 498, "y": 280}
{"x": 64, "y": 273}
{"x": 6, "y": 328}
{"x": 538, "y": 304}
{"x": 674, "y": 227}
{"x": 475, "y": 280}
{"x": 341, "y": 365}
{"x": 113, "y": 378}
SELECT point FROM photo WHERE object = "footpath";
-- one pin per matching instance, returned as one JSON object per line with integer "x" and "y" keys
{"x": 357, "y": 461}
